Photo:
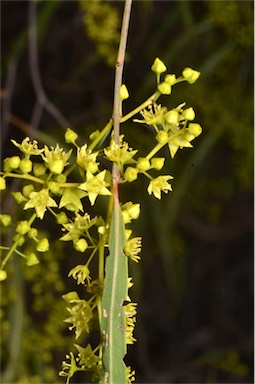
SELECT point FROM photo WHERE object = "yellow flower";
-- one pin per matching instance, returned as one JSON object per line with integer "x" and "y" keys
{"x": 40, "y": 201}
{"x": 158, "y": 185}
{"x": 56, "y": 158}
{"x": 132, "y": 248}
{"x": 86, "y": 159}
{"x": 28, "y": 147}
{"x": 95, "y": 185}
{"x": 80, "y": 273}
{"x": 120, "y": 153}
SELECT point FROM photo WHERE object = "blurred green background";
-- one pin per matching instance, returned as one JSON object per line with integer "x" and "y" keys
{"x": 194, "y": 284}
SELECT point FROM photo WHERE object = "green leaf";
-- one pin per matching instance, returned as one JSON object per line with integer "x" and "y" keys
{"x": 115, "y": 293}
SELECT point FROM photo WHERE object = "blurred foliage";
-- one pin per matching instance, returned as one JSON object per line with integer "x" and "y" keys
{"x": 194, "y": 282}
{"x": 102, "y": 25}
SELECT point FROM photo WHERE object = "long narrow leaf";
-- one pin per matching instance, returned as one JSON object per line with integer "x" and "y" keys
{"x": 115, "y": 292}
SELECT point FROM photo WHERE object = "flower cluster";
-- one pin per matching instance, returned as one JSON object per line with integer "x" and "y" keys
{"x": 50, "y": 185}
{"x": 80, "y": 313}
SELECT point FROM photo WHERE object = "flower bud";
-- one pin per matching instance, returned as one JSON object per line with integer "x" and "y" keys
{"x": 27, "y": 189}
{"x": 54, "y": 187}
{"x": 94, "y": 135}
{"x": 43, "y": 245}
{"x": 61, "y": 178}
{"x": 39, "y": 169}
{"x": 130, "y": 174}
{"x": 71, "y": 296}
{"x": 170, "y": 79}
{"x": 57, "y": 166}
{"x": 190, "y": 75}
{"x": 143, "y": 164}
{"x": 5, "y": 220}
{"x": 188, "y": 114}
{"x": 134, "y": 211}
{"x": 92, "y": 167}
{"x": 81, "y": 245}
{"x": 123, "y": 92}
{"x": 162, "y": 137}
{"x": 32, "y": 233}
{"x": 23, "y": 227}
{"x": 2, "y": 184}
{"x": 14, "y": 162}
{"x": 157, "y": 163}
{"x": 172, "y": 117}
{"x": 101, "y": 229}
{"x": 70, "y": 136}
{"x": 19, "y": 239}
{"x": 62, "y": 218}
{"x": 19, "y": 198}
{"x": 195, "y": 129}
{"x": 3, "y": 275}
{"x": 26, "y": 165}
{"x": 32, "y": 259}
{"x": 7, "y": 167}
{"x": 164, "y": 88}
{"x": 158, "y": 66}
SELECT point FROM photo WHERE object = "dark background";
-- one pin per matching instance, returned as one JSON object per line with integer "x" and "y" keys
{"x": 194, "y": 284}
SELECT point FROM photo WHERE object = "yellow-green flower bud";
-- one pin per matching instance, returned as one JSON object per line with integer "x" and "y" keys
{"x": 190, "y": 75}
{"x": 81, "y": 245}
{"x": 19, "y": 239}
{"x": 94, "y": 135}
{"x": 19, "y": 198}
{"x": 5, "y": 220}
{"x": 61, "y": 178}
{"x": 70, "y": 136}
{"x": 162, "y": 137}
{"x": 2, "y": 184}
{"x": 157, "y": 163}
{"x": 3, "y": 275}
{"x": 14, "y": 162}
{"x": 62, "y": 218}
{"x": 158, "y": 66}
{"x": 43, "y": 245}
{"x": 92, "y": 167}
{"x": 170, "y": 79}
{"x": 143, "y": 164}
{"x": 25, "y": 165}
{"x": 164, "y": 88}
{"x": 7, "y": 168}
{"x": 130, "y": 174}
{"x": 195, "y": 129}
{"x": 32, "y": 259}
{"x": 172, "y": 117}
{"x": 189, "y": 114}
{"x": 123, "y": 92}
{"x": 27, "y": 189}
{"x": 101, "y": 230}
{"x": 71, "y": 297}
{"x": 23, "y": 227}
{"x": 134, "y": 211}
{"x": 57, "y": 166}
{"x": 32, "y": 233}
{"x": 39, "y": 169}
{"x": 54, "y": 187}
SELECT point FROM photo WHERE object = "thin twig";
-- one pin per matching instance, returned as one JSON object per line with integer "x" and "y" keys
{"x": 117, "y": 86}
{"x": 35, "y": 73}
{"x": 119, "y": 69}
{"x": 7, "y": 98}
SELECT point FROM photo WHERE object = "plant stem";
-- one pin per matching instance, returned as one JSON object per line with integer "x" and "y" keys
{"x": 119, "y": 69}
{"x": 117, "y": 86}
